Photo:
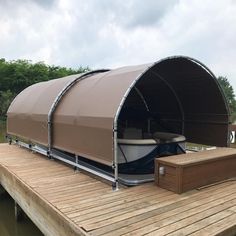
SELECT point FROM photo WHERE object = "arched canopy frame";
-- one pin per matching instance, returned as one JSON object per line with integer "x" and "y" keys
{"x": 68, "y": 86}
{"x": 80, "y": 113}
{"x": 133, "y": 86}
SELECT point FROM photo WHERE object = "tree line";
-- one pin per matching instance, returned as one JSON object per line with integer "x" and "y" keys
{"x": 18, "y": 74}
{"x": 229, "y": 94}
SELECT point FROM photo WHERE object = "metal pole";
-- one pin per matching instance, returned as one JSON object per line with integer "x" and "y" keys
{"x": 77, "y": 162}
{"x": 49, "y": 135}
{"x": 142, "y": 98}
{"x": 18, "y": 212}
{"x": 115, "y": 163}
{"x": 115, "y": 128}
{"x": 57, "y": 100}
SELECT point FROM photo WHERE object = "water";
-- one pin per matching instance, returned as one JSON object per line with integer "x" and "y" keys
{"x": 8, "y": 224}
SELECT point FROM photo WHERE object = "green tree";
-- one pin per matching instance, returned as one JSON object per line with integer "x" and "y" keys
{"x": 6, "y": 98}
{"x": 19, "y": 74}
{"x": 229, "y": 94}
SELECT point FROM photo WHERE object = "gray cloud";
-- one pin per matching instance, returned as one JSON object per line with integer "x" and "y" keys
{"x": 113, "y": 33}
{"x": 16, "y": 3}
{"x": 146, "y": 14}
{"x": 44, "y": 3}
{"x": 131, "y": 13}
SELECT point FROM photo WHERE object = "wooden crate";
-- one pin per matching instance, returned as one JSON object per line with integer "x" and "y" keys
{"x": 192, "y": 170}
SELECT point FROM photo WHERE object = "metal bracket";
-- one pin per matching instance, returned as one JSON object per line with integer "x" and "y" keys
{"x": 115, "y": 185}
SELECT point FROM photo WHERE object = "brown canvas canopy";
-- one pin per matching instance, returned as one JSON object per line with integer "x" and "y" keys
{"x": 81, "y": 114}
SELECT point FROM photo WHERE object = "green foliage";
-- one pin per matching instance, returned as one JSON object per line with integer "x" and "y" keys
{"x": 2, "y": 131}
{"x": 6, "y": 98}
{"x": 17, "y": 75}
{"x": 229, "y": 94}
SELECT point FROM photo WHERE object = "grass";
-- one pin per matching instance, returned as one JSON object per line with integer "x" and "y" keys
{"x": 196, "y": 147}
{"x": 2, "y": 131}
{"x": 201, "y": 147}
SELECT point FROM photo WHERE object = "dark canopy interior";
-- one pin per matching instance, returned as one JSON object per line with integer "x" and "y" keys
{"x": 178, "y": 95}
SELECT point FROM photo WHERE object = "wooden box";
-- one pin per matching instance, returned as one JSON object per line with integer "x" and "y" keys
{"x": 184, "y": 172}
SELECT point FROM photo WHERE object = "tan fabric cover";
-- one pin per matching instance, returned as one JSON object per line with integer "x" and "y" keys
{"x": 83, "y": 120}
{"x": 28, "y": 113}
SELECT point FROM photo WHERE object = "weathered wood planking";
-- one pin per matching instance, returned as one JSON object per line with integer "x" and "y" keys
{"x": 192, "y": 170}
{"x": 62, "y": 202}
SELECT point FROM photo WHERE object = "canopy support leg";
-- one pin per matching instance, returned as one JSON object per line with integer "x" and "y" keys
{"x": 77, "y": 162}
{"x": 115, "y": 184}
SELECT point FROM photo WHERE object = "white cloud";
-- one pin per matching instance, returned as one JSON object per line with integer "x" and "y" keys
{"x": 112, "y": 33}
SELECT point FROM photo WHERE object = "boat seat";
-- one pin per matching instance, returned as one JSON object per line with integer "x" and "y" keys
{"x": 168, "y": 137}
{"x": 137, "y": 141}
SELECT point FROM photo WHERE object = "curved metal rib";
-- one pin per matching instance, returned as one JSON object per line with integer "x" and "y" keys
{"x": 175, "y": 94}
{"x": 142, "y": 98}
{"x": 60, "y": 96}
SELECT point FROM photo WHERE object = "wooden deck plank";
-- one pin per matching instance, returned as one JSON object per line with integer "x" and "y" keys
{"x": 60, "y": 189}
{"x": 84, "y": 205}
{"x": 55, "y": 182}
{"x": 203, "y": 223}
{"x": 107, "y": 197}
{"x": 49, "y": 219}
{"x": 85, "y": 191}
{"x": 67, "y": 190}
{"x": 187, "y": 218}
{"x": 90, "y": 206}
{"x": 113, "y": 209}
{"x": 37, "y": 169}
{"x": 142, "y": 220}
{"x": 224, "y": 227}
{"x": 71, "y": 201}
{"x": 125, "y": 213}
{"x": 167, "y": 218}
{"x": 60, "y": 182}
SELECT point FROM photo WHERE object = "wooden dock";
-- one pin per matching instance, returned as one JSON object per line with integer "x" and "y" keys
{"x": 62, "y": 202}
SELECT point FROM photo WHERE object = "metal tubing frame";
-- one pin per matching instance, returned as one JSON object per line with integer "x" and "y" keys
{"x": 115, "y": 122}
{"x": 217, "y": 84}
{"x": 222, "y": 94}
{"x": 176, "y": 96}
{"x": 77, "y": 164}
{"x": 50, "y": 115}
{"x": 115, "y": 128}
{"x": 142, "y": 97}
{"x": 58, "y": 99}
{"x": 115, "y": 161}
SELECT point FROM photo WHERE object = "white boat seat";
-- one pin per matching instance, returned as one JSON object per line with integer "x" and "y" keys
{"x": 168, "y": 137}
{"x": 158, "y": 137}
{"x": 137, "y": 141}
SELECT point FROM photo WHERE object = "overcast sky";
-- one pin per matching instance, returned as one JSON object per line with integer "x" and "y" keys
{"x": 112, "y": 33}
